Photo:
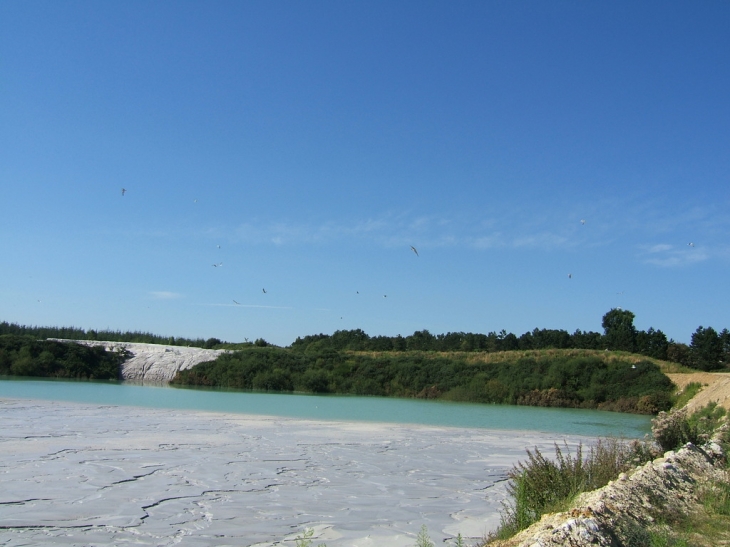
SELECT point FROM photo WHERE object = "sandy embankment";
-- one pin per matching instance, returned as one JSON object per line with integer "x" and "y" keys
{"x": 716, "y": 388}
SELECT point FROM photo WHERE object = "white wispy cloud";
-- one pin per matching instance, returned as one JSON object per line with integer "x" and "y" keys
{"x": 249, "y": 306}
{"x": 165, "y": 295}
{"x": 526, "y": 228}
{"x": 668, "y": 256}
{"x": 543, "y": 240}
{"x": 393, "y": 230}
{"x": 660, "y": 248}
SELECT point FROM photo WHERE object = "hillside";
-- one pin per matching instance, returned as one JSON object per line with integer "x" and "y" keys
{"x": 716, "y": 388}
{"x": 551, "y": 378}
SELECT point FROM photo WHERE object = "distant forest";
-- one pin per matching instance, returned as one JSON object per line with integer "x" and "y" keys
{"x": 709, "y": 349}
{"x": 74, "y": 333}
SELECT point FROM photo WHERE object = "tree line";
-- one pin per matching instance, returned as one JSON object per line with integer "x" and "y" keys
{"x": 75, "y": 333}
{"x": 709, "y": 349}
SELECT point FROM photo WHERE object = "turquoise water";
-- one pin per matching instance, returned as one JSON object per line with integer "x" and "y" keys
{"x": 592, "y": 423}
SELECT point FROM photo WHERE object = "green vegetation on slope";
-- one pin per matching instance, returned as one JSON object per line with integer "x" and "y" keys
{"x": 534, "y": 378}
{"x": 26, "y": 356}
{"x": 544, "y": 485}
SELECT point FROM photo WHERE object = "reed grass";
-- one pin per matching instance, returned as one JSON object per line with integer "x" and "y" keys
{"x": 544, "y": 485}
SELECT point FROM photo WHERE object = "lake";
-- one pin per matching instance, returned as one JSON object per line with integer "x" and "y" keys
{"x": 591, "y": 423}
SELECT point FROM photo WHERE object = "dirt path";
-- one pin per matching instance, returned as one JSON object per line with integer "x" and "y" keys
{"x": 716, "y": 388}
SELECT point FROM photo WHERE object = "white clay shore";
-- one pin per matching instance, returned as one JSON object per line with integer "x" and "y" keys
{"x": 81, "y": 474}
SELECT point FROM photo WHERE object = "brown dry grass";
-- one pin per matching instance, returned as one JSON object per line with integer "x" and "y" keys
{"x": 502, "y": 356}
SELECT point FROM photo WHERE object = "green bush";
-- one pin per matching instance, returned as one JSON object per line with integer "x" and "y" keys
{"x": 675, "y": 428}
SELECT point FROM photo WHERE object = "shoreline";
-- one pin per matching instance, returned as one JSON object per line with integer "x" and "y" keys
{"x": 88, "y": 473}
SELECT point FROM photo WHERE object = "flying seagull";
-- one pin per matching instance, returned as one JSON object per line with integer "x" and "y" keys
{"x": 582, "y": 221}
{"x": 124, "y": 191}
{"x": 691, "y": 244}
{"x": 414, "y": 250}
{"x": 385, "y": 296}
{"x": 238, "y": 303}
{"x": 570, "y": 276}
{"x": 219, "y": 264}
{"x": 219, "y": 246}
{"x": 264, "y": 290}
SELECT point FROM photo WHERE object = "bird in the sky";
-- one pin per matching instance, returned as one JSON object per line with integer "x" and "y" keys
{"x": 582, "y": 221}
{"x": 195, "y": 201}
{"x": 385, "y": 296}
{"x": 414, "y": 250}
{"x": 264, "y": 290}
{"x": 570, "y": 276}
{"x": 218, "y": 246}
{"x": 691, "y": 244}
{"x": 124, "y": 191}
{"x": 237, "y": 303}
{"x": 219, "y": 264}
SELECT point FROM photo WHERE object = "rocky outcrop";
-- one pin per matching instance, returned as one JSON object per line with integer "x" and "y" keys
{"x": 618, "y": 514}
{"x": 153, "y": 362}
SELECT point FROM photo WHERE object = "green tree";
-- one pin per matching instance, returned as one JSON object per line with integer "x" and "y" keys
{"x": 725, "y": 339}
{"x": 210, "y": 343}
{"x": 678, "y": 353}
{"x": 706, "y": 349}
{"x": 421, "y": 340}
{"x": 619, "y": 332}
{"x": 652, "y": 343}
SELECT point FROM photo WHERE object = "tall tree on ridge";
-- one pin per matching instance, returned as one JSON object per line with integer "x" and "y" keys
{"x": 619, "y": 332}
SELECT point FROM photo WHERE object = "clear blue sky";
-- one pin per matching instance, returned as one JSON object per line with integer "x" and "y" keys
{"x": 322, "y": 139}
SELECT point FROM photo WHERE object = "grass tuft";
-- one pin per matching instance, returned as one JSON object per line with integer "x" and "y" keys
{"x": 542, "y": 485}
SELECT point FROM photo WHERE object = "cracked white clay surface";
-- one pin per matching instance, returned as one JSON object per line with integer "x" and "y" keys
{"x": 80, "y": 474}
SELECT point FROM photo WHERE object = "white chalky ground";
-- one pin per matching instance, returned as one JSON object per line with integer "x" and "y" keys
{"x": 79, "y": 474}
